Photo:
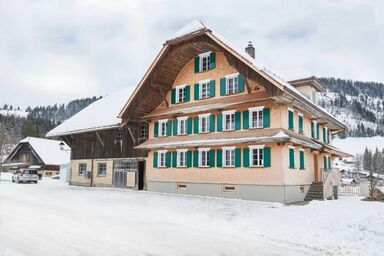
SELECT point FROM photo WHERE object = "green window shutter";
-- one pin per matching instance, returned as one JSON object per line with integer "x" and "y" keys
{"x": 197, "y": 91}
{"x": 301, "y": 156}
{"x": 175, "y": 127}
{"x": 266, "y": 118}
{"x": 212, "y": 60}
{"x": 189, "y": 158}
{"x": 328, "y": 136}
{"x": 245, "y": 119}
{"x": 197, "y": 64}
{"x": 240, "y": 80}
{"x": 267, "y": 156}
{"x": 290, "y": 119}
{"x": 168, "y": 159}
{"x": 212, "y": 123}
{"x": 246, "y": 157}
{"x": 237, "y": 157}
{"x": 291, "y": 158}
{"x": 155, "y": 156}
{"x": 156, "y": 129}
{"x": 219, "y": 122}
{"x": 324, "y": 135}
{"x": 187, "y": 93}
{"x": 223, "y": 90}
{"x": 329, "y": 163}
{"x": 237, "y": 120}
{"x": 196, "y": 125}
{"x": 212, "y": 158}
{"x": 317, "y": 130}
{"x": 169, "y": 127}
{"x": 196, "y": 158}
{"x": 173, "y": 96}
{"x": 313, "y": 129}
{"x": 325, "y": 162}
{"x": 301, "y": 130}
{"x": 189, "y": 125}
{"x": 174, "y": 159}
{"x": 219, "y": 158}
{"x": 212, "y": 88}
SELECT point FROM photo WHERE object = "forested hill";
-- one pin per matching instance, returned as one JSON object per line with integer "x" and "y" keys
{"x": 360, "y": 105}
{"x": 37, "y": 121}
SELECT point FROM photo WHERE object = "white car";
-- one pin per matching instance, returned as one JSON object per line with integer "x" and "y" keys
{"x": 26, "y": 175}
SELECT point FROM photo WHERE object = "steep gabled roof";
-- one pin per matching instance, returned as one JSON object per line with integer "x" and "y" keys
{"x": 100, "y": 115}
{"x": 189, "y": 41}
{"x": 46, "y": 150}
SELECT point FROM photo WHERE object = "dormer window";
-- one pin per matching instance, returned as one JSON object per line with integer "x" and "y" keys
{"x": 205, "y": 61}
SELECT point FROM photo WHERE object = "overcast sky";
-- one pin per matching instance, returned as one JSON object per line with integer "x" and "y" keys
{"x": 56, "y": 51}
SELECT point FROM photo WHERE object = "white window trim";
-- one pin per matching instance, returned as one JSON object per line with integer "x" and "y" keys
{"x": 294, "y": 155}
{"x": 206, "y": 81}
{"x": 223, "y": 156}
{"x": 177, "y": 88}
{"x": 160, "y": 125}
{"x": 201, "y": 56}
{"x": 300, "y": 114}
{"x": 178, "y": 151}
{"x": 182, "y": 118}
{"x": 326, "y": 135}
{"x": 200, "y": 150}
{"x": 233, "y": 75}
{"x": 301, "y": 149}
{"x": 315, "y": 131}
{"x": 159, "y": 152}
{"x": 251, "y": 110}
{"x": 230, "y": 76}
{"x": 228, "y": 112}
{"x": 251, "y": 148}
{"x": 207, "y": 115}
{"x": 293, "y": 147}
{"x": 205, "y": 54}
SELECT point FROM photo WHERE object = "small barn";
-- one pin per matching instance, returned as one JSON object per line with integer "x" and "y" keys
{"x": 44, "y": 155}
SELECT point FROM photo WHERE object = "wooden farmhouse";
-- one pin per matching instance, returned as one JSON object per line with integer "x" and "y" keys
{"x": 44, "y": 155}
{"x": 205, "y": 120}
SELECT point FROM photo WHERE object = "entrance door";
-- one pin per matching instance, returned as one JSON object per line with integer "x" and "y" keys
{"x": 141, "y": 175}
{"x": 119, "y": 178}
{"x": 316, "y": 167}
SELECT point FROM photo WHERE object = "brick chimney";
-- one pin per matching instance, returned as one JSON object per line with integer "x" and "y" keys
{"x": 250, "y": 50}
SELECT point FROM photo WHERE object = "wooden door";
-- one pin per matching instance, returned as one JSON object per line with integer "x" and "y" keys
{"x": 316, "y": 168}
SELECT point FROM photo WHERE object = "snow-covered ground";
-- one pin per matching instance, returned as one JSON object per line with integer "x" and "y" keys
{"x": 51, "y": 218}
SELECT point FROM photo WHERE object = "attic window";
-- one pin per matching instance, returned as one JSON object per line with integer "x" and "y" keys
{"x": 119, "y": 134}
{"x": 204, "y": 61}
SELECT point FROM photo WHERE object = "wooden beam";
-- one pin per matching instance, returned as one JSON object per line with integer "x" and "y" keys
{"x": 98, "y": 136}
{"x": 247, "y": 85}
{"x": 130, "y": 132}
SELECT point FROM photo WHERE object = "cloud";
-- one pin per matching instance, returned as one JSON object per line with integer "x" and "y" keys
{"x": 55, "y": 51}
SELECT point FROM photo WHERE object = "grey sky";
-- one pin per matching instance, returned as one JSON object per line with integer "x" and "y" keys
{"x": 55, "y": 51}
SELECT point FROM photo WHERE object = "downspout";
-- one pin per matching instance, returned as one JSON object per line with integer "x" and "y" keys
{"x": 92, "y": 160}
{"x": 282, "y": 158}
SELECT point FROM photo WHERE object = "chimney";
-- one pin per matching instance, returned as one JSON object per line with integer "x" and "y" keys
{"x": 250, "y": 50}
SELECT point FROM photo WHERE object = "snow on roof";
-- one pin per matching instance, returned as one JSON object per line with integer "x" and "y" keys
{"x": 189, "y": 28}
{"x": 49, "y": 150}
{"x": 101, "y": 114}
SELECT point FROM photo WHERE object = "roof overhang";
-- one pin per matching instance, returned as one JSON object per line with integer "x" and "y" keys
{"x": 311, "y": 81}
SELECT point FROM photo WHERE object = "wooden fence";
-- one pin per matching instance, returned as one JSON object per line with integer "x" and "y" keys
{"x": 349, "y": 189}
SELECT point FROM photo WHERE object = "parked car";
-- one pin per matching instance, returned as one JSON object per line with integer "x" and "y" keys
{"x": 26, "y": 175}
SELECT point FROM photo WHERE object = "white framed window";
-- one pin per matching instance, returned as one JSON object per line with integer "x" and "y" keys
{"x": 204, "y": 89}
{"x": 101, "y": 169}
{"x": 229, "y": 120}
{"x": 204, "y": 123}
{"x": 181, "y": 157}
{"x": 180, "y": 93}
{"x": 204, "y": 157}
{"x": 256, "y": 117}
{"x": 144, "y": 131}
{"x": 205, "y": 61}
{"x": 82, "y": 169}
{"x": 182, "y": 125}
{"x": 256, "y": 155}
{"x": 229, "y": 156}
{"x": 315, "y": 130}
{"x": 162, "y": 158}
{"x": 163, "y": 127}
{"x": 232, "y": 83}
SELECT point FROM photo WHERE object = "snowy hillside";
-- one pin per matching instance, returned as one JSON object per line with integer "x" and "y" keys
{"x": 354, "y": 145}
{"x": 13, "y": 112}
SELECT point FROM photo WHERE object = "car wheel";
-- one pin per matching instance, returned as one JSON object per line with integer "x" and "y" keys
{"x": 13, "y": 180}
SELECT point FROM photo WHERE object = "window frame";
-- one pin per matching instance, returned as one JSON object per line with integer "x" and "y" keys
{"x": 183, "y": 119}
{"x": 119, "y": 134}
{"x": 161, "y": 153}
{"x": 292, "y": 167}
{"x": 202, "y": 56}
{"x": 302, "y": 150}
{"x": 227, "y": 79}
{"x": 259, "y": 109}
{"x": 160, "y": 132}
{"x": 179, "y": 153}
{"x": 98, "y": 169}
{"x": 200, "y": 157}
{"x": 144, "y": 131}
{"x": 207, "y": 126}
{"x": 80, "y": 169}
{"x": 299, "y": 114}
{"x": 232, "y": 156}
{"x": 258, "y": 148}
{"x": 207, "y": 91}
{"x": 315, "y": 130}
{"x": 177, "y": 93}
{"x": 225, "y": 114}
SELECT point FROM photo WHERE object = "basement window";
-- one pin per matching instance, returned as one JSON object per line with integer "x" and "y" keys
{"x": 229, "y": 188}
{"x": 180, "y": 186}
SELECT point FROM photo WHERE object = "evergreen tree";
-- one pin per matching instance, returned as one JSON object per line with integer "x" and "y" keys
{"x": 367, "y": 159}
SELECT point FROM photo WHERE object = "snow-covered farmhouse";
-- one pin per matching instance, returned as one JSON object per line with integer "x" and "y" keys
{"x": 217, "y": 125}
{"x": 102, "y": 145}
{"x": 44, "y": 155}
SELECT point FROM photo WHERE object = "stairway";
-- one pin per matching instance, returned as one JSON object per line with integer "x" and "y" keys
{"x": 315, "y": 192}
